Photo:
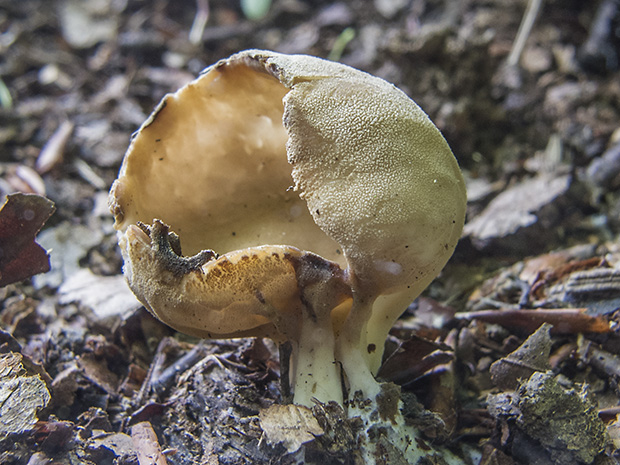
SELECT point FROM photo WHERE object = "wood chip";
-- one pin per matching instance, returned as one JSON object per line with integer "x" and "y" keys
{"x": 146, "y": 444}
{"x": 21, "y": 395}
{"x": 52, "y": 152}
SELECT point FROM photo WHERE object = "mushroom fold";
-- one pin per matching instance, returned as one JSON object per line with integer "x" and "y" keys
{"x": 330, "y": 196}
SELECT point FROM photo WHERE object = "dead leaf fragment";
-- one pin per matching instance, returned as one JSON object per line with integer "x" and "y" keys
{"x": 98, "y": 373}
{"x": 83, "y": 24}
{"x": 106, "y": 295}
{"x": 110, "y": 446}
{"x": 21, "y": 218}
{"x": 69, "y": 244}
{"x": 52, "y": 152}
{"x": 554, "y": 265}
{"x": 146, "y": 445}
{"x": 53, "y": 435}
{"x": 530, "y": 357}
{"x": 290, "y": 425}
{"x": 413, "y": 358}
{"x": 517, "y": 211}
{"x": 65, "y": 385}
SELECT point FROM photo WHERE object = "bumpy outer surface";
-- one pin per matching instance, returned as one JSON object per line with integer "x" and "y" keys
{"x": 376, "y": 173}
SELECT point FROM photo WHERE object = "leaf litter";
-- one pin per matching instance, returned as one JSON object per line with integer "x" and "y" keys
{"x": 540, "y": 142}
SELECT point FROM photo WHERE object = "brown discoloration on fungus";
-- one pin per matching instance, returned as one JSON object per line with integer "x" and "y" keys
{"x": 377, "y": 197}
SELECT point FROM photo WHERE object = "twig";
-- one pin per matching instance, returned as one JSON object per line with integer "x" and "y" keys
{"x": 166, "y": 379}
{"x": 531, "y": 12}
{"x": 153, "y": 373}
{"x": 564, "y": 320}
{"x": 200, "y": 21}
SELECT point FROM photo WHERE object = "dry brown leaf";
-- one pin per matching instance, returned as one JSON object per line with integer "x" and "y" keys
{"x": 517, "y": 209}
{"x": 21, "y": 218}
{"x": 290, "y": 425}
{"x": 98, "y": 373}
{"x": 531, "y": 356}
{"x": 413, "y": 358}
{"x": 146, "y": 444}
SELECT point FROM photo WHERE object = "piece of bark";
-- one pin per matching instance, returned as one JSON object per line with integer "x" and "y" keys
{"x": 39, "y": 458}
{"x": 598, "y": 358}
{"x": 8, "y": 343}
{"x": 547, "y": 423}
{"x": 603, "y": 173}
{"x": 565, "y": 421}
{"x": 599, "y": 53}
{"x": 597, "y": 289}
{"x": 110, "y": 448}
{"x": 613, "y": 429}
{"x": 23, "y": 394}
{"x": 493, "y": 456}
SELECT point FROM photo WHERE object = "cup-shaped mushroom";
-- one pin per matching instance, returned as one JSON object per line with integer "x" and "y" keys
{"x": 266, "y": 154}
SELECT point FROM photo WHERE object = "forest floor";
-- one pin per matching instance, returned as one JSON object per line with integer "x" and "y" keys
{"x": 88, "y": 376}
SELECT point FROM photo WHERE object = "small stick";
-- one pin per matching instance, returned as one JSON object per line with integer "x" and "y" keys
{"x": 167, "y": 377}
{"x": 564, "y": 320}
{"x": 533, "y": 6}
{"x": 200, "y": 21}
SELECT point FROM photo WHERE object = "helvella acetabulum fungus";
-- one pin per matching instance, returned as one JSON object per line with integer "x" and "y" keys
{"x": 312, "y": 201}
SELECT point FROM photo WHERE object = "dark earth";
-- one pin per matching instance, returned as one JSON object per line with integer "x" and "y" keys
{"x": 512, "y": 353}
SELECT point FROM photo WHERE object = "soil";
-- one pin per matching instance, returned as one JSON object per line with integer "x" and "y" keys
{"x": 88, "y": 376}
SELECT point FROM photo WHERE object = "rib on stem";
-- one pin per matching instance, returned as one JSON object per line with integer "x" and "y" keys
{"x": 351, "y": 345}
{"x": 316, "y": 374}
